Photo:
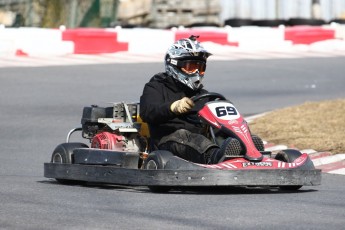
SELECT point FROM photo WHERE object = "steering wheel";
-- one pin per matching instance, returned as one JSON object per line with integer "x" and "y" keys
{"x": 191, "y": 117}
{"x": 210, "y": 95}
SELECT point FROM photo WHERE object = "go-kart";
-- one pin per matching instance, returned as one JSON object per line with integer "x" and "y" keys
{"x": 120, "y": 153}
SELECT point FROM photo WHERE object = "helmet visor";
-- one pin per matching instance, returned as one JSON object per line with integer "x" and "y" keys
{"x": 192, "y": 66}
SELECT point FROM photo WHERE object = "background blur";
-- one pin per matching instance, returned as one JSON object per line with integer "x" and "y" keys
{"x": 168, "y": 13}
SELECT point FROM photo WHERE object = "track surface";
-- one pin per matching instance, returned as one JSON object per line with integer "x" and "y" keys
{"x": 39, "y": 105}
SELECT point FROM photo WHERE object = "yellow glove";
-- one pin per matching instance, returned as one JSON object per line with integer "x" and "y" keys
{"x": 182, "y": 106}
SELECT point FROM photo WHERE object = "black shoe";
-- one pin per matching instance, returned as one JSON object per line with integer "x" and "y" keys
{"x": 259, "y": 144}
{"x": 230, "y": 147}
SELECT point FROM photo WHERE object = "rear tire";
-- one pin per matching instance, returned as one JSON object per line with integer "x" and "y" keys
{"x": 157, "y": 160}
{"x": 62, "y": 154}
{"x": 289, "y": 156}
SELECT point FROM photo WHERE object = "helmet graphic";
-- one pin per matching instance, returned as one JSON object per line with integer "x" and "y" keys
{"x": 185, "y": 60}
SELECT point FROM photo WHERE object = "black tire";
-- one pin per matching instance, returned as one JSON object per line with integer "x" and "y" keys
{"x": 305, "y": 21}
{"x": 238, "y": 22}
{"x": 338, "y": 20}
{"x": 157, "y": 160}
{"x": 202, "y": 24}
{"x": 269, "y": 23}
{"x": 62, "y": 154}
{"x": 289, "y": 155}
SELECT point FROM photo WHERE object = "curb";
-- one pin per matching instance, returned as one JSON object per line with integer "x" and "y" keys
{"x": 326, "y": 161}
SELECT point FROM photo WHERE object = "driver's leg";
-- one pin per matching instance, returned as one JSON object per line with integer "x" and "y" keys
{"x": 197, "y": 148}
{"x": 189, "y": 146}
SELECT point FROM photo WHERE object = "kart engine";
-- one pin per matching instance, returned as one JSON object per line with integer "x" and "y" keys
{"x": 117, "y": 142}
{"x": 115, "y": 128}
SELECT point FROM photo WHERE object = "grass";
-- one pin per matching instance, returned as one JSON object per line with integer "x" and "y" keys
{"x": 312, "y": 125}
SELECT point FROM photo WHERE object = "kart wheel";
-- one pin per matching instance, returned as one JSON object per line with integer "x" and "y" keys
{"x": 62, "y": 154}
{"x": 157, "y": 160}
{"x": 289, "y": 155}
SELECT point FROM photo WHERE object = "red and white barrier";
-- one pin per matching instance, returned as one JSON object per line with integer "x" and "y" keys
{"x": 94, "y": 41}
{"x": 40, "y": 42}
{"x": 146, "y": 40}
{"x": 33, "y": 42}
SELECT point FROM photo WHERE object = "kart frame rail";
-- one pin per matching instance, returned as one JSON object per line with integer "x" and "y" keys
{"x": 164, "y": 177}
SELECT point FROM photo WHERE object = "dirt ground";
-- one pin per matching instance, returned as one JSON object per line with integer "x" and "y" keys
{"x": 312, "y": 125}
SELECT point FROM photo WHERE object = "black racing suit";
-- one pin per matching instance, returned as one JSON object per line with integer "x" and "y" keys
{"x": 169, "y": 131}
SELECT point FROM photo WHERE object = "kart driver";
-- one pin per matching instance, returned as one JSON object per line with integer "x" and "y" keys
{"x": 166, "y": 100}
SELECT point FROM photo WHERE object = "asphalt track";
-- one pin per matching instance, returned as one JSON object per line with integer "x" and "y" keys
{"x": 38, "y": 106}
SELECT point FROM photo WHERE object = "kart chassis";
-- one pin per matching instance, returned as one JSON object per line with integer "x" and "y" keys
{"x": 99, "y": 170}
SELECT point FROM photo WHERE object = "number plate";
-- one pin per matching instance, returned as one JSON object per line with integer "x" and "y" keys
{"x": 224, "y": 110}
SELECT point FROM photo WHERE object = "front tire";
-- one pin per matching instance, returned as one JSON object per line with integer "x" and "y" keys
{"x": 289, "y": 156}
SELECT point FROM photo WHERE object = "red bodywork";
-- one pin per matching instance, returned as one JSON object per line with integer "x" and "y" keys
{"x": 223, "y": 114}
{"x": 266, "y": 163}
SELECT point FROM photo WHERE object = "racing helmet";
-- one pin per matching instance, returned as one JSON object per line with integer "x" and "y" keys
{"x": 185, "y": 61}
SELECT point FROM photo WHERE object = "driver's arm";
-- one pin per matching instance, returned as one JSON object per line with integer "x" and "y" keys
{"x": 182, "y": 106}
{"x": 153, "y": 106}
